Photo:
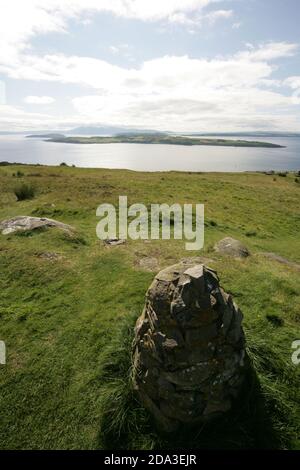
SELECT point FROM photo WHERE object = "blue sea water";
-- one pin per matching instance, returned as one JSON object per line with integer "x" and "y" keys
{"x": 144, "y": 157}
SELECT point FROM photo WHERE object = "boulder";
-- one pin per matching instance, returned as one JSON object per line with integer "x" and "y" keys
{"x": 26, "y": 223}
{"x": 231, "y": 247}
{"x": 189, "y": 348}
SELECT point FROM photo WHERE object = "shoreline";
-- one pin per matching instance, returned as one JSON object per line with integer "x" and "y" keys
{"x": 4, "y": 164}
{"x": 162, "y": 140}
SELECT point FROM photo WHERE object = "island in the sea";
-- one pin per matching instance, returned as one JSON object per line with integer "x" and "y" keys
{"x": 159, "y": 139}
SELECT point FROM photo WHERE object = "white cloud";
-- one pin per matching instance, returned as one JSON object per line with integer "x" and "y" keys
{"x": 214, "y": 16}
{"x": 175, "y": 92}
{"x": 114, "y": 49}
{"x": 170, "y": 92}
{"x": 123, "y": 50}
{"x": 15, "y": 118}
{"x": 198, "y": 19}
{"x": 39, "y": 100}
{"x": 21, "y": 20}
{"x": 293, "y": 82}
{"x": 269, "y": 51}
{"x": 12, "y": 118}
{"x": 181, "y": 93}
{"x": 244, "y": 68}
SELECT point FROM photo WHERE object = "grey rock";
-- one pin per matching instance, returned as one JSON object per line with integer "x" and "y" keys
{"x": 49, "y": 256}
{"x": 114, "y": 242}
{"x": 197, "y": 260}
{"x": 189, "y": 348}
{"x": 231, "y": 247}
{"x": 282, "y": 260}
{"x": 26, "y": 223}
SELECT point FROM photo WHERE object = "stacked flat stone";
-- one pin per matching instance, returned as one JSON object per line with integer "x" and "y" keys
{"x": 189, "y": 348}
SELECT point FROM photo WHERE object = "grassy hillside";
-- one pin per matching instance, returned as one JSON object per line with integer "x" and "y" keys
{"x": 68, "y": 305}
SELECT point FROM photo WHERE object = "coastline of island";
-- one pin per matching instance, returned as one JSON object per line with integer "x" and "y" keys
{"x": 158, "y": 139}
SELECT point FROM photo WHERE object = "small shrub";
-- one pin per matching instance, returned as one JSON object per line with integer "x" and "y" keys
{"x": 63, "y": 164}
{"x": 74, "y": 238}
{"x": 19, "y": 174}
{"x": 210, "y": 248}
{"x": 22, "y": 316}
{"x": 24, "y": 191}
{"x": 282, "y": 174}
{"x": 275, "y": 320}
{"x": 30, "y": 233}
{"x": 213, "y": 223}
{"x": 251, "y": 233}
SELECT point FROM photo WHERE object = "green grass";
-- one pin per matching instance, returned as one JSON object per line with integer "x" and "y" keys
{"x": 24, "y": 191}
{"x": 67, "y": 321}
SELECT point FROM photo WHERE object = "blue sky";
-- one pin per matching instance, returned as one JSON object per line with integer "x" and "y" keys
{"x": 182, "y": 65}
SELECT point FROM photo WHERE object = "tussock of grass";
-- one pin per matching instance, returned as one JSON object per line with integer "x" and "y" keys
{"x": 18, "y": 174}
{"x": 30, "y": 233}
{"x": 25, "y": 191}
{"x": 74, "y": 238}
{"x": 57, "y": 212}
{"x": 124, "y": 423}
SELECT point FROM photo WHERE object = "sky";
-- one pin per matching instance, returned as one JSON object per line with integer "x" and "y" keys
{"x": 177, "y": 65}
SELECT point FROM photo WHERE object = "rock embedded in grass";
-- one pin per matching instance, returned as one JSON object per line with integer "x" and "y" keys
{"x": 49, "y": 256}
{"x": 148, "y": 264}
{"x": 26, "y": 223}
{"x": 189, "y": 348}
{"x": 281, "y": 259}
{"x": 231, "y": 247}
{"x": 114, "y": 242}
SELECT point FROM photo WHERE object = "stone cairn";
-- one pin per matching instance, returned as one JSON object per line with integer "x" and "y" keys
{"x": 189, "y": 348}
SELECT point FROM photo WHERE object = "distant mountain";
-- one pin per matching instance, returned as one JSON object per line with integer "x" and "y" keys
{"x": 119, "y": 130}
{"x": 246, "y": 134}
{"x": 31, "y": 133}
{"x": 110, "y": 130}
{"x": 13, "y": 133}
{"x": 45, "y": 136}
{"x": 85, "y": 130}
